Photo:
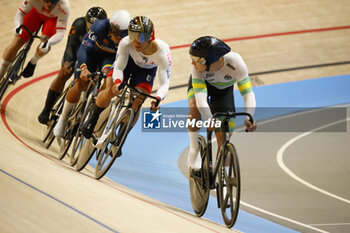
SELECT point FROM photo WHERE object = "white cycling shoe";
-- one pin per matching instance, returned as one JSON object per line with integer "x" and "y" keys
{"x": 58, "y": 131}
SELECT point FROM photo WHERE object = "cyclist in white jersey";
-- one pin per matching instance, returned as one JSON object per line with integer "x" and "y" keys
{"x": 138, "y": 58}
{"x": 52, "y": 15}
{"x": 215, "y": 69}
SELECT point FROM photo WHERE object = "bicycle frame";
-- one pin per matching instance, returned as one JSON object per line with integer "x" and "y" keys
{"x": 115, "y": 134}
{"x": 225, "y": 139}
{"x": 138, "y": 94}
{"x": 216, "y": 165}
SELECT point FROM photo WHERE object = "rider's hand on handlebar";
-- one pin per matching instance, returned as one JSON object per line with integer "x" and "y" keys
{"x": 84, "y": 75}
{"x": 115, "y": 89}
{"x": 43, "y": 48}
{"x": 249, "y": 126}
{"x": 18, "y": 30}
{"x": 155, "y": 107}
{"x": 65, "y": 68}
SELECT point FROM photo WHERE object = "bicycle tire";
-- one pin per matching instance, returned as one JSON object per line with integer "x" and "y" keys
{"x": 79, "y": 138}
{"x": 85, "y": 154}
{"x": 200, "y": 188}
{"x": 50, "y": 136}
{"x": 114, "y": 143}
{"x": 229, "y": 180}
{"x": 70, "y": 130}
{"x": 11, "y": 72}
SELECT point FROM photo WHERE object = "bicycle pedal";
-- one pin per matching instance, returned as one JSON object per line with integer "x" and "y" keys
{"x": 13, "y": 80}
{"x": 94, "y": 141}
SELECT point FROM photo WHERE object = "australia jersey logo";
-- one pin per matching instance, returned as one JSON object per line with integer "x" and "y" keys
{"x": 209, "y": 75}
{"x": 145, "y": 59}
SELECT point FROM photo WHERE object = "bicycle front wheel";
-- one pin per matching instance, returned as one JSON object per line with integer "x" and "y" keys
{"x": 199, "y": 185}
{"x": 70, "y": 130}
{"x": 79, "y": 138}
{"x": 86, "y": 152}
{"x": 12, "y": 73}
{"x": 229, "y": 185}
{"x": 54, "y": 115}
{"x": 114, "y": 143}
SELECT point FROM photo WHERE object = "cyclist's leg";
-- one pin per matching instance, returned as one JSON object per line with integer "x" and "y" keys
{"x": 55, "y": 91}
{"x": 142, "y": 79}
{"x": 48, "y": 30}
{"x": 193, "y": 160}
{"x": 30, "y": 21}
{"x": 72, "y": 98}
{"x": 10, "y": 54}
{"x": 101, "y": 104}
{"x": 222, "y": 100}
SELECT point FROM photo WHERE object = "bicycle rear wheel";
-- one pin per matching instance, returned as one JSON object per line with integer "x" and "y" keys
{"x": 199, "y": 186}
{"x": 114, "y": 143}
{"x": 229, "y": 185}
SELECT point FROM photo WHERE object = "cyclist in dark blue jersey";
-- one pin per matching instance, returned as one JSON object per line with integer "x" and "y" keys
{"x": 78, "y": 29}
{"x": 96, "y": 52}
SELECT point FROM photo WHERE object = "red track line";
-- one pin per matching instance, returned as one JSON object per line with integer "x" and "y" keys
{"x": 8, "y": 98}
{"x": 273, "y": 35}
{"x": 3, "y": 116}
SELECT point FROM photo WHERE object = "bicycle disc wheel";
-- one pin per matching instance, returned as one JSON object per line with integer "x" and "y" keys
{"x": 114, "y": 143}
{"x": 199, "y": 186}
{"x": 229, "y": 185}
{"x": 86, "y": 152}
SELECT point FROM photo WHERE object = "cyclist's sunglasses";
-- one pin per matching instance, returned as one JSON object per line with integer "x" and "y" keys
{"x": 137, "y": 36}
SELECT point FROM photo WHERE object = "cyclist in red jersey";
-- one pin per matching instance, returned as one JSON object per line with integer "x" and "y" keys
{"x": 52, "y": 15}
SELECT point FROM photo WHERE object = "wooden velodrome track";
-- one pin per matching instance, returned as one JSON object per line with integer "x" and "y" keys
{"x": 37, "y": 190}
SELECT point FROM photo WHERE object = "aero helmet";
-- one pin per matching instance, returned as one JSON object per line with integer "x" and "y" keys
{"x": 208, "y": 49}
{"x": 141, "y": 28}
{"x": 94, "y": 14}
{"x": 119, "y": 23}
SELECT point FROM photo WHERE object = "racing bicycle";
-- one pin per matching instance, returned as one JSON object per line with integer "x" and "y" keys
{"x": 121, "y": 118}
{"x": 54, "y": 115}
{"x": 222, "y": 174}
{"x": 78, "y": 115}
{"x": 14, "y": 71}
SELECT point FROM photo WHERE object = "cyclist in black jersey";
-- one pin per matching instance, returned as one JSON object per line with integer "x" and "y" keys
{"x": 78, "y": 29}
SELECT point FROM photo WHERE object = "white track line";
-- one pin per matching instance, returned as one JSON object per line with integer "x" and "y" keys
{"x": 283, "y": 218}
{"x": 280, "y": 154}
{"x": 330, "y": 224}
{"x": 291, "y": 174}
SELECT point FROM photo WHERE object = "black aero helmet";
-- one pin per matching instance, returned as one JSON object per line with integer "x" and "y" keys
{"x": 94, "y": 14}
{"x": 208, "y": 49}
{"x": 143, "y": 26}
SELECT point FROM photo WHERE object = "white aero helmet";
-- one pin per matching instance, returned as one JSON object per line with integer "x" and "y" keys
{"x": 119, "y": 22}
